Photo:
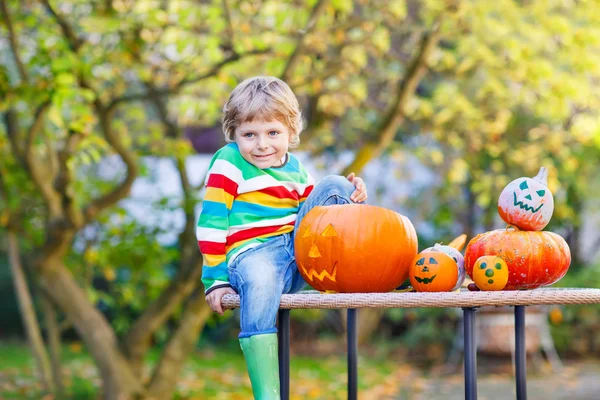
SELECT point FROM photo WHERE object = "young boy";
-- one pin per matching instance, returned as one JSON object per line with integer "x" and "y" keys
{"x": 256, "y": 196}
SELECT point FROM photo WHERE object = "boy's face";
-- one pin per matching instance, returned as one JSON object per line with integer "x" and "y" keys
{"x": 263, "y": 143}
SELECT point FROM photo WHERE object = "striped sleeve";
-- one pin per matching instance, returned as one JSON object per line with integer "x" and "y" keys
{"x": 221, "y": 189}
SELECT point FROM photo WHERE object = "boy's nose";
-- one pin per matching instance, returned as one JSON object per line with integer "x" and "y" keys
{"x": 262, "y": 143}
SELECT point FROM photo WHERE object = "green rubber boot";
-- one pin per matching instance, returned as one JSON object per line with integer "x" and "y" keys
{"x": 262, "y": 360}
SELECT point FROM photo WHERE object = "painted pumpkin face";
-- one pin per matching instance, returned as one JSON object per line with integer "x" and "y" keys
{"x": 527, "y": 202}
{"x": 490, "y": 273}
{"x": 354, "y": 248}
{"x": 433, "y": 271}
{"x": 456, "y": 256}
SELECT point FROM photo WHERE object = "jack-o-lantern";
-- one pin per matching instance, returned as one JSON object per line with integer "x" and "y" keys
{"x": 527, "y": 202}
{"x": 354, "y": 248}
{"x": 490, "y": 273}
{"x": 453, "y": 250}
{"x": 534, "y": 259}
{"x": 433, "y": 271}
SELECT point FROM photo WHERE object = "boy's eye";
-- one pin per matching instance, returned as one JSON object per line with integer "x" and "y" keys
{"x": 273, "y": 133}
{"x": 248, "y": 135}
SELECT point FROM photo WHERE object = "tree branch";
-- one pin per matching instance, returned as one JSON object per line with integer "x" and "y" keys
{"x": 312, "y": 20}
{"x": 13, "y": 40}
{"x": 24, "y": 154}
{"x": 187, "y": 81}
{"x": 178, "y": 348}
{"x": 228, "y": 24}
{"x": 72, "y": 39}
{"x": 189, "y": 250}
{"x": 39, "y": 173}
{"x": 36, "y": 126}
{"x": 108, "y": 6}
{"x": 386, "y": 129}
{"x": 200, "y": 185}
{"x": 122, "y": 190}
{"x": 27, "y": 309}
{"x": 74, "y": 43}
{"x": 12, "y": 131}
{"x": 64, "y": 178}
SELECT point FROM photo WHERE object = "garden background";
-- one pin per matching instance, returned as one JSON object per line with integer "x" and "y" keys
{"x": 109, "y": 116}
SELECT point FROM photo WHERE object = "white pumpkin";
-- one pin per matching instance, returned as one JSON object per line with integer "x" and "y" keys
{"x": 527, "y": 203}
{"x": 453, "y": 250}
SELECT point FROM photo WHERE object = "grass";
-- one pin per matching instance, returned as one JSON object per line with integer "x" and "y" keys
{"x": 211, "y": 372}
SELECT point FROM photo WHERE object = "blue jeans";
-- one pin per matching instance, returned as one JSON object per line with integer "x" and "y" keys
{"x": 261, "y": 274}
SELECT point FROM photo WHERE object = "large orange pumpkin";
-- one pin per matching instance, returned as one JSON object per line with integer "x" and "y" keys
{"x": 354, "y": 248}
{"x": 534, "y": 258}
{"x": 433, "y": 271}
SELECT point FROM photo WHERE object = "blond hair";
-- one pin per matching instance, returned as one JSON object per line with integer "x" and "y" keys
{"x": 262, "y": 98}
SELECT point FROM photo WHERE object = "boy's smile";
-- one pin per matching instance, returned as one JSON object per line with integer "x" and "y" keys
{"x": 263, "y": 144}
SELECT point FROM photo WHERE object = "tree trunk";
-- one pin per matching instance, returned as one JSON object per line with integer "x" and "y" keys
{"x": 139, "y": 338}
{"x": 32, "y": 327}
{"x": 118, "y": 379}
{"x": 53, "y": 333}
{"x": 164, "y": 380}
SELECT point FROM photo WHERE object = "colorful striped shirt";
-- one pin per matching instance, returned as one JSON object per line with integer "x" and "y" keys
{"x": 245, "y": 206}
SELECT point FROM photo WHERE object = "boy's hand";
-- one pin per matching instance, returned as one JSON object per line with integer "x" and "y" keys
{"x": 360, "y": 194}
{"x": 214, "y": 298}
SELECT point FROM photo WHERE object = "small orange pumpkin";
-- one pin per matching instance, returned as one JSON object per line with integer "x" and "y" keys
{"x": 353, "y": 248}
{"x": 534, "y": 258}
{"x": 453, "y": 250}
{"x": 490, "y": 273}
{"x": 433, "y": 271}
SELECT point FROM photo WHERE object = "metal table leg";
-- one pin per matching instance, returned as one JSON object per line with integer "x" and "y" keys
{"x": 520, "y": 353}
{"x": 470, "y": 354}
{"x": 284, "y": 353}
{"x": 352, "y": 355}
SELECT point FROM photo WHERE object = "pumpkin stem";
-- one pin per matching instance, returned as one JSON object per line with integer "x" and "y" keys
{"x": 542, "y": 176}
{"x": 459, "y": 242}
{"x": 514, "y": 227}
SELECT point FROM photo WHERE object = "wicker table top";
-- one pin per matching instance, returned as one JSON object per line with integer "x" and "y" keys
{"x": 463, "y": 298}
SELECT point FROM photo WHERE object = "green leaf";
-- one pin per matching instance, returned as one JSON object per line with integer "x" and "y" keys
{"x": 64, "y": 79}
{"x": 345, "y": 6}
{"x": 55, "y": 116}
{"x": 397, "y": 9}
{"x": 62, "y": 64}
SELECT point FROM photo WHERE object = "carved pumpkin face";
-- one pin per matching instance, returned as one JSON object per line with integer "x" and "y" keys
{"x": 490, "y": 273}
{"x": 433, "y": 271}
{"x": 328, "y": 241}
{"x": 354, "y": 248}
{"x": 527, "y": 202}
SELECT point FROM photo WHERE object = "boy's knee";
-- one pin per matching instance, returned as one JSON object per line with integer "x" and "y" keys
{"x": 338, "y": 183}
{"x": 261, "y": 280}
